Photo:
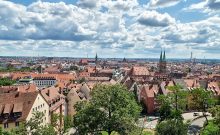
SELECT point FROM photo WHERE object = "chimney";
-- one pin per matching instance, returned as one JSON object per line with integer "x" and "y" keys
{"x": 48, "y": 93}
{"x": 60, "y": 90}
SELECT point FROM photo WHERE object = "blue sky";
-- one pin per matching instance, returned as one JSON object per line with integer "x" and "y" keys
{"x": 111, "y": 28}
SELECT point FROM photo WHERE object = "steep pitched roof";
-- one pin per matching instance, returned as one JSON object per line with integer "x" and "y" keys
{"x": 140, "y": 71}
{"x": 17, "y": 102}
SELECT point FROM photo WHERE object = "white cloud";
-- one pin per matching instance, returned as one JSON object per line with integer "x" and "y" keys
{"x": 207, "y": 6}
{"x": 162, "y": 3}
{"x": 111, "y": 28}
{"x": 155, "y": 19}
{"x": 88, "y": 3}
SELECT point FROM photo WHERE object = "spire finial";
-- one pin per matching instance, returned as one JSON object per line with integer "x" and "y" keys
{"x": 164, "y": 55}
{"x": 161, "y": 55}
{"x": 96, "y": 58}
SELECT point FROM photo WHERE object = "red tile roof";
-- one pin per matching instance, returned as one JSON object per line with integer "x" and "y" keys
{"x": 139, "y": 71}
{"x": 17, "y": 102}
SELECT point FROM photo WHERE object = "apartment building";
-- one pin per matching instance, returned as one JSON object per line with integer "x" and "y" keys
{"x": 45, "y": 81}
{"x": 17, "y": 107}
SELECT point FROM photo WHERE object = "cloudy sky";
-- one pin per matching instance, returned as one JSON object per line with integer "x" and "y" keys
{"x": 111, "y": 28}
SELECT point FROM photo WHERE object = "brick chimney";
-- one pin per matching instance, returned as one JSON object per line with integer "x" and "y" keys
{"x": 48, "y": 93}
{"x": 60, "y": 90}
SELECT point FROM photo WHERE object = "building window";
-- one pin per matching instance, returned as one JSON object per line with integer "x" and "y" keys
{"x": 16, "y": 124}
{"x": 5, "y": 125}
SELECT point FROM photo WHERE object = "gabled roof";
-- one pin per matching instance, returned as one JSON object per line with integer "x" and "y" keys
{"x": 85, "y": 90}
{"x": 140, "y": 71}
{"x": 53, "y": 93}
{"x": 17, "y": 102}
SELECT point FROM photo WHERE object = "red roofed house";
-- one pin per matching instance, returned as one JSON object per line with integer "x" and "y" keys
{"x": 83, "y": 62}
{"x": 139, "y": 73}
{"x": 17, "y": 107}
{"x": 56, "y": 100}
{"x": 148, "y": 93}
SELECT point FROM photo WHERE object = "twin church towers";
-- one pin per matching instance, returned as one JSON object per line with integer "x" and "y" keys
{"x": 162, "y": 62}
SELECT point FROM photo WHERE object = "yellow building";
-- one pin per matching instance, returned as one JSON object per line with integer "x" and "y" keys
{"x": 17, "y": 107}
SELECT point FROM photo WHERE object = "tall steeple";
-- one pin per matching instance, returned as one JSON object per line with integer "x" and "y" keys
{"x": 164, "y": 56}
{"x": 162, "y": 63}
{"x": 161, "y": 56}
{"x": 96, "y": 58}
{"x": 124, "y": 60}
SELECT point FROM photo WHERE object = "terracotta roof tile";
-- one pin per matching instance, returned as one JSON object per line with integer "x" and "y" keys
{"x": 18, "y": 101}
{"x": 140, "y": 71}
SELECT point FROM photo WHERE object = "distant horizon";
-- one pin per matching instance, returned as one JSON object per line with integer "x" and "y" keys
{"x": 111, "y": 57}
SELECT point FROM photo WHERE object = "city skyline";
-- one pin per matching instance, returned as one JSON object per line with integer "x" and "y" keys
{"x": 131, "y": 29}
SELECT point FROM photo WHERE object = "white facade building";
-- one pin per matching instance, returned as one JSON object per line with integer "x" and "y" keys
{"x": 44, "y": 81}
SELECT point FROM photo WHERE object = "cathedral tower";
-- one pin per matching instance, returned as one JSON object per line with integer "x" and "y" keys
{"x": 162, "y": 62}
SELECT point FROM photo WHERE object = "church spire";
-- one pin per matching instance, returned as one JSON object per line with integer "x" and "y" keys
{"x": 161, "y": 56}
{"x": 124, "y": 60}
{"x": 96, "y": 58}
{"x": 164, "y": 56}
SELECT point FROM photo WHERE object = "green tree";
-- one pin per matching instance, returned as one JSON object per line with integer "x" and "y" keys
{"x": 215, "y": 111}
{"x": 112, "y": 109}
{"x": 213, "y": 127}
{"x": 171, "y": 127}
{"x": 21, "y": 130}
{"x": 55, "y": 121}
{"x": 178, "y": 97}
{"x": 165, "y": 107}
{"x": 34, "y": 126}
{"x": 201, "y": 99}
{"x": 6, "y": 82}
{"x": 75, "y": 68}
{"x": 68, "y": 122}
{"x": 172, "y": 104}
{"x": 2, "y": 132}
{"x": 47, "y": 130}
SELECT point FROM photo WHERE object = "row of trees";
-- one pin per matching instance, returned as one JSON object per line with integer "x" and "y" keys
{"x": 10, "y": 68}
{"x": 6, "y": 82}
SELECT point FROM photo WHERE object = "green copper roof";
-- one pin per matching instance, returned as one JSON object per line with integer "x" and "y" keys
{"x": 96, "y": 57}
{"x": 161, "y": 56}
{"x": 164, "y": 56}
